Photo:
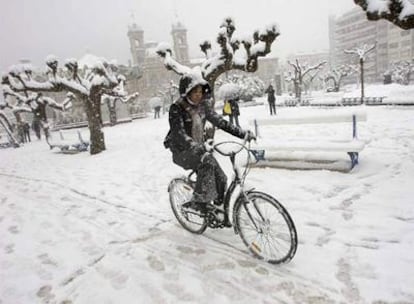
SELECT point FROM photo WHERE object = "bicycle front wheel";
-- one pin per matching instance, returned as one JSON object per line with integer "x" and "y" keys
{"x": 265, "y": 227}
{"x": 181, "y": 191}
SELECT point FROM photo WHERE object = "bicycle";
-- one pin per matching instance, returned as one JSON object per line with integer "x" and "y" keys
{"x": 264, "y": 225}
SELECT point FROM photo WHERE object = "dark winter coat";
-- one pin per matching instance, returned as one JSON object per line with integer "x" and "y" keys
{"x": 270, "y": 94}
{"x": 234, "y": 107}
{"x": 179, "y": 137}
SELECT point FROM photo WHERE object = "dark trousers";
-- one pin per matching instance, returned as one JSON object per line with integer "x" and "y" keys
{"x": 236, "y": 119}
{"x": 27, "y": 136}
{"x": 272, "y": 107}
{"x": 211, "y": 180}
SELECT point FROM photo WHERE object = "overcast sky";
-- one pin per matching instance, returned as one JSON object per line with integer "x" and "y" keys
{"x": 33, "y": 29}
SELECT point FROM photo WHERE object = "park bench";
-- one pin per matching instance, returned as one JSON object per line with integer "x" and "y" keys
{"x": 69, "y": 142}
{"x": 352, "y": 101}
{"x": 139, "y": 115}
{"x": 291, "y": 102}
{"x": 272, "y": 156}
{"x": 373, "y": 101}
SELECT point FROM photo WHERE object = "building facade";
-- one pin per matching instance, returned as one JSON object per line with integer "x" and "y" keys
{"x": 352, "y": 30}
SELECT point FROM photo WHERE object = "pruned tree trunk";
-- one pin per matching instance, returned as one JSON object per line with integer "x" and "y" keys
{"x": 93, "y": 112}
{"x": 361, "y": 63}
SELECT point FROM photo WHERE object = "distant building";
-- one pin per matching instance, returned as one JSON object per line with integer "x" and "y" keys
{"x": 352, "y": 29}
{"x": 155, "y": 77}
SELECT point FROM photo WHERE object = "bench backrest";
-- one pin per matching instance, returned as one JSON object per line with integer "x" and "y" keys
{"x": 314, "y": 119}
{"x": 79, "y": 135}
{"x": 332, "y": 117}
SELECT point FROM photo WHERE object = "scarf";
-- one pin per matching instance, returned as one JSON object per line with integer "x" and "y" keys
{"x": 197, "y": 131}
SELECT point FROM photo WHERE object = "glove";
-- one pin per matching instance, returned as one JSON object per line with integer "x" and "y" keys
{"x": 198, "y": 148}
{"x": 209, "y": 145}
{"x": 249, "y": 136}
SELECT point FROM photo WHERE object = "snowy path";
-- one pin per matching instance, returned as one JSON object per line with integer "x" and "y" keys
{"x": 82, "y": 229}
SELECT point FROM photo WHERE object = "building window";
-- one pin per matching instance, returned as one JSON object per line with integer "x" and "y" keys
{"x": 405, "y": 33}
{"x": 393, "y": 45}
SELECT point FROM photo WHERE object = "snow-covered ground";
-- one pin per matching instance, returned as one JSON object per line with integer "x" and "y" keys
{"x": 99, "y": 229}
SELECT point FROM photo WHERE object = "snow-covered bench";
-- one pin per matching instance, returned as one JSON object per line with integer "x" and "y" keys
{"x": 291, "y": 102}
{"x": 352, "y": 101}
{"x": 68, "y": 143}
{"x": 289, "y": 146}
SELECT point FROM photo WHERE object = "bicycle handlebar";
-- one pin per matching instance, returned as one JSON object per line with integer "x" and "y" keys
{"x": 242, "y": 146}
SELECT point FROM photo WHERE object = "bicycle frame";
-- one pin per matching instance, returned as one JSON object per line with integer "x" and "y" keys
{"x": 251, "y": 219}
{"x": 238, "y": 180}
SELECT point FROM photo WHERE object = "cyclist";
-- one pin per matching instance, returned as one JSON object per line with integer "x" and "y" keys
{"x": 186, "y": 138}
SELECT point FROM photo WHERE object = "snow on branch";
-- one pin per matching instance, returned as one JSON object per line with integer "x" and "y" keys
{"x": 302, "y": 70}
{"x": 234, "y": 53}
{"x": 164, "y": 50}
{"x": 399, "y": 12}
{"x": 101, "y": 74}
{"x": 361, "y": 51}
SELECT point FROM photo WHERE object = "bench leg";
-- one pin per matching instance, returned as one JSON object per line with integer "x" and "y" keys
{"x": 354, "y": 158}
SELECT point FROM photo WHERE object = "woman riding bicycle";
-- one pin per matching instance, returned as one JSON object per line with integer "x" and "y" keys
{"x": 186, "y": 138}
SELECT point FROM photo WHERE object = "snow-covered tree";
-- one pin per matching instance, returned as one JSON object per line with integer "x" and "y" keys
{"x": 336, "y": 75}
{"x": 248, "y": 86}
{"x": 235, "y": 53}
{"x": 169, "y": 94}
{"x": 401, "y": 71}
{"x": 87, "y": 85}
{"x": 7, "y": 125}
{"x": 399, "y": 12}
{"x": 14, "y": 107}
{"x": 300, "y": 73}
{"x": 228, "y": 90}
{"x": 111, "y": 101}
{"x": 362, "y": 53}
{"x": 34, "y": 103}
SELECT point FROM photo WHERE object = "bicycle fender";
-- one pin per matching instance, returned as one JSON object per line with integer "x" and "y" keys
{"x": 183, "y": 178}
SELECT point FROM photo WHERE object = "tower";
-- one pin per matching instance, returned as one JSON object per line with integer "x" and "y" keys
{"x": 136, "y": 41}
{"x": 179, "y": 35}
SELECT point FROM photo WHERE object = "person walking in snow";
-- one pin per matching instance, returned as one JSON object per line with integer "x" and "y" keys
{"x": 26, "y": 131}
{"x": 157, "y": 110}
{"x": 235, "y": 111}
{"x": 271, "y": 99}
{"x": 186, "y": 138}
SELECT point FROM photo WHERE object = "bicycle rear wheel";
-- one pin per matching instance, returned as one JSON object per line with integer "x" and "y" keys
{"x": 181, "y": 191}
{"x": 265, "y": 227}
